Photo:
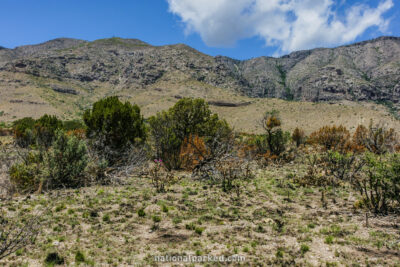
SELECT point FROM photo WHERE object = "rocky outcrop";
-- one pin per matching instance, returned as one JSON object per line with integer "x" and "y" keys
{"x": 363, "y": 71}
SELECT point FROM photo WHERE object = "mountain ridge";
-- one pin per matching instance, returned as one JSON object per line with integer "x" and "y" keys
{"x": 66, "y": 75}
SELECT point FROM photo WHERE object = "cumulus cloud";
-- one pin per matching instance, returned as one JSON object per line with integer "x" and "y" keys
{"x": 288, "y": 24}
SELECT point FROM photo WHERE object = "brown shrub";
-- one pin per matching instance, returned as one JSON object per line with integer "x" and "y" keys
{"x": 376, "y": 138}
{"x": 332, "y": 138}
{"x": 298, "y": 136}
{"x": 192, "y": 151}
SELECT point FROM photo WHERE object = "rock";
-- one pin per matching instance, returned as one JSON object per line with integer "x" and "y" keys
{"x": 359, "y": 72}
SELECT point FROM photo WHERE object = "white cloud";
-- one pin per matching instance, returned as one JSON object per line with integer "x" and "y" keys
{"x": 289, "y": 24}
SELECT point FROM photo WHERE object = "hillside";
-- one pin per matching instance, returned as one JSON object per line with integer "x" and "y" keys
{"x": 64, "y": 76}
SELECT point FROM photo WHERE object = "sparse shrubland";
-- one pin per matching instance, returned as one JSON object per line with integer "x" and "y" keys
{"x": 184, "y": 182}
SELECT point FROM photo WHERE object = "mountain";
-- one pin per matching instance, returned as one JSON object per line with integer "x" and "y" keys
{"x": 64, "y": 71}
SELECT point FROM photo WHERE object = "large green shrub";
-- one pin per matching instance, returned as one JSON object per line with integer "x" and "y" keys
{"x": 113, "y": 126}
{"x": 23, "y": 131}
{"x": 45, "y": 129}
{"x": 187, "y": 120}
{"x": 26, "y": 175}
{"x": 36, "y": 132}
{"x": 379, "y": 183}
{"x": 67, "y": 160}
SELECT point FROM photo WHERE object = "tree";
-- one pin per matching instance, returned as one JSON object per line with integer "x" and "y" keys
{"x": 276, "y": 139}
{"x": 165, "y": 138}
{"x": 187, "y": 120}
{"x": 113, "y": 125}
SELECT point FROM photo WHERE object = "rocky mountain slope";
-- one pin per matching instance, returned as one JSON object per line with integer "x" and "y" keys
{"x": 64, "y": 76}
{"x": 364, "y": 71}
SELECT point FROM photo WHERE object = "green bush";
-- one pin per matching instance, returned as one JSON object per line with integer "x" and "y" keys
{"x": 187, "y": 119}
{"x": 379, "y": 183}
{"x": 30, "y": 132}
{"x": 67, "y": 160}
{"x": 113, "y": 126}
{"x": 73, "y": 125}
{"x": 275, "y": 138}
{"x": 26, "y": 176}
{"x": 45, "y": 129}
{"x": 23, "y": 131}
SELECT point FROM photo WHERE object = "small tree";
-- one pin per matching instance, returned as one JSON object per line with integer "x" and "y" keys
{"x": 275, "y": 138}
{"x": 188, "y": 121}
{"x": 166, "y": 141}
{"x": 113, "y": 125}
{"x": 67, "y": 161}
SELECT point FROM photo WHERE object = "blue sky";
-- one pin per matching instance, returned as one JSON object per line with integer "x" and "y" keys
{"x": 236, "y": 28}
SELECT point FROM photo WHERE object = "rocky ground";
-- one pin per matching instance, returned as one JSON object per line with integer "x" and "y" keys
{"x": 272, "y": 222}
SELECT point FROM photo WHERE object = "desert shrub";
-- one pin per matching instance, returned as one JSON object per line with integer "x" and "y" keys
{"x": 67, "y": 160}
{"x": 187, "y": 122}
{"x": 341, "y": 166}
{"x": 72, "y": 125}
{"x": 40, "y": 132}
{"x": 113, "y": 125}
{"x": 232, "y": 173}
{"x": 78, "y": 133}
{"x": 27, "y": 175}
{"x": 45, "y": 129}
{"x": 192, "y": 149}
{"x": 161, "y": 177}
{"x": 331, "y": 168}
{"x": 166, "y": 142}
{"x": 376, "y": 139}
{"x": 23, "y": 131}
{"x": 275, "y": 138}
{"x": 17, "y": 234}
{"x": 379, "y": 183}
{"x": 331, "y": 138}
{"x": 298, "y": 136}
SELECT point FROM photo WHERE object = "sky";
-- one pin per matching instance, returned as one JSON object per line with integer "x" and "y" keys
{"x": 239, "y": 29}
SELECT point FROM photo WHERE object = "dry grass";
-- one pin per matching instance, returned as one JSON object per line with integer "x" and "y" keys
{"x": 274, "y": 222}
{"x": 38, "y": 98}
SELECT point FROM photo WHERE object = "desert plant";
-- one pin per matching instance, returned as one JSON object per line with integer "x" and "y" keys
{"x": 113, "y": 125}
{"x": 275, "y": 138}
{"x": 67, "y": 160}
{"x": 376, "y": 138}
{"x": 45, "y": 129}
{"x": 342, "y": 166}
{"x": 188, "y": 122}
{"x": 27, "y": 174}
{"x": 298, "y": 136}
{"x": 23, "y": 132}
{"x": 379, "y": 185}
{"x": 232, "y": 173}
{"x": 331, "y": 138}
{"x": 15, "y": 235}
{"x": 161, "y": 177}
